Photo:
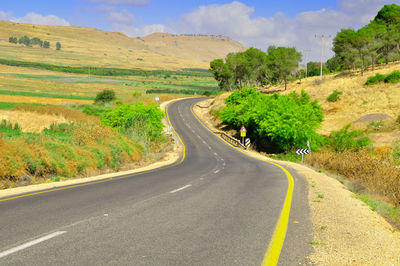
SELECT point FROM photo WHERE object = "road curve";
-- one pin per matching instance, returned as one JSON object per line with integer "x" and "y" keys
{"x": 217, "y": 207}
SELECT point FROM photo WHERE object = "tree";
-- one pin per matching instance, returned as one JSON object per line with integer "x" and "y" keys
{"x": 334, "y": 64}
{"x": 343, "y": 48}
{"x": 282, "y": 62}
{"x": 360, "y": 42}
{"x": 256, "y": 70}
{"x": 389, "y": 14}
{"x": 37, "y": 41}
{"x": 58, "y": 46}
{"x": 221, "y": 73}
{"x": 25, "y": 40}
{"x": 11, "y": 39}
{"x": 46, "y": 44}
{"x": 105, "y": 96}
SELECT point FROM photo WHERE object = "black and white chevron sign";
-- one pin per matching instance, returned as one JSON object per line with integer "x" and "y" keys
{"x": 247, "y": 142}
{"x": 302, "y": 151}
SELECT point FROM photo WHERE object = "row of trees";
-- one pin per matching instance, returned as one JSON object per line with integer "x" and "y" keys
{"x": 379, "y": 41}
{"x": 254, "y": 67}
{"x": 34, "y": 41}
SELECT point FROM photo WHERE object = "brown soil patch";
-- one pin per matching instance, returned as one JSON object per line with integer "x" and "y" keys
{"x": 29, "y": 121}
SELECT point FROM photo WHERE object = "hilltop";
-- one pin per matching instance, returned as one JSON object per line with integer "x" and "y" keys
{"x": 83, "y": 46}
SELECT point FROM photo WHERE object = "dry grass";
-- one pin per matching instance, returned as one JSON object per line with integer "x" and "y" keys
{"x": 376, "y": 174}
{"x": 29, "y": 121}
{"x": 67, "y": 152}
{"x": 91, "y": 47}
{"x": 357, "y": 100}
{"x": 57, "y": 111}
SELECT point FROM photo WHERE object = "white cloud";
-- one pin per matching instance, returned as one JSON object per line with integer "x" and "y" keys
{"x": 123, "y": 17}
{"x": 236, "y": 20}
{"x": 123, "y": 2}
{"x": 4, "y": 15}
{"x": 34, "y": 18}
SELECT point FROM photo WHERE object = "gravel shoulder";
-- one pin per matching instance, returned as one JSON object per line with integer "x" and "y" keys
{"x": 345, "y": 230}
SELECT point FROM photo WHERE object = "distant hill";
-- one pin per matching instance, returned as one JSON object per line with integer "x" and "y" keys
{"x": 92, "y": 47}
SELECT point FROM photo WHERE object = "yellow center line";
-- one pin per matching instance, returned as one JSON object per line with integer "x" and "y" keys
{"x": 273, "y": 252}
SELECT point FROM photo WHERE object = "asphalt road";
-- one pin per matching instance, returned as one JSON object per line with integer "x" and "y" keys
{"x": 217, "y": 207}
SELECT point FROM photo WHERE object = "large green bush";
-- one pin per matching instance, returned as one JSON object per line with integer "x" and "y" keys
{"x": 276, "y": 122}
{"x": 139, "y": 120}
{"x": 378, "y": 78}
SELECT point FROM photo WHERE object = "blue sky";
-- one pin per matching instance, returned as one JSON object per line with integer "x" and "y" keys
{"x": 253, "y": 23}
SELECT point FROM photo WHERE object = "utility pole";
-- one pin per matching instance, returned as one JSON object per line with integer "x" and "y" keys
{"x": 322, "y": 50}
{"x": 306, "y": 60}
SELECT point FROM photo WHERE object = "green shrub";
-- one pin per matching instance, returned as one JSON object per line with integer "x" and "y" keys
{"x": 136, "y": 119}
{"x": 136, "y": 94}
{"x": 276, "y": 122}
{"x": 393, "y": 77}
{"x": 396, "y": 152}
{"x": 344, "y": 139}
{"x": 334, "y": 96}
{"x": 378, "y": 78}
{"x": 105, "y": 96}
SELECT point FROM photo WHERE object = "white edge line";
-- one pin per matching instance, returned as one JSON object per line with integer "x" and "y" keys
{"x": 31, "y": 243}
{"x": 179, "y": 189}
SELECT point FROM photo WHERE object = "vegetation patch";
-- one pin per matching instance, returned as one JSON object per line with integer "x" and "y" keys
{"x": 393, "y": 77}
{"x": 100, "y": 71}
{"x": 275, "y": 122}
{"x": 334, "y": 96}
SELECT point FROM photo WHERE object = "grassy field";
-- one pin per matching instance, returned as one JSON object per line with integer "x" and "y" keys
{"x": 43, "y": 86}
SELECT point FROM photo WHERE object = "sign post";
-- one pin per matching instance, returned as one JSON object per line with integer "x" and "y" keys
{"x": 243, "y": 134}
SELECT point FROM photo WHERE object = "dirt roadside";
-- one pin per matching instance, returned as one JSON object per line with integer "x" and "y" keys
{"x": 345, "y": 230}
{"x": 169, "y": 158}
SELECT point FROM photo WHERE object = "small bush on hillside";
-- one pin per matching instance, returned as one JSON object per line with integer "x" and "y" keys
{"x": 393, "y": 77}
{"x": 334, "y": 96}
{"x": 344, "y": 139}
{"x": 105, "y": 96}
{"x": 398, "y": 119}
{"x": 378, "y": 78}
{"x": 136, "y": 94}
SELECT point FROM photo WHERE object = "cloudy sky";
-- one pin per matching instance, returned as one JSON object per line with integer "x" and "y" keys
{"x": 258, "y": 23}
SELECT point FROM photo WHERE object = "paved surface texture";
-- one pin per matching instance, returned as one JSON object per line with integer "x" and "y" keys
{"x": 218, "y": 207}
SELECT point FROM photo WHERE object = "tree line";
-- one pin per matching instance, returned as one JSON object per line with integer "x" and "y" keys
{"x": 377, "y": 42}
{"x": 254, "y": 67}
{"x": 34, "y": 41}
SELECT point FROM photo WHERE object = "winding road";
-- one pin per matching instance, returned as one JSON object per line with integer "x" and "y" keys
{"x": 216, "y": 206}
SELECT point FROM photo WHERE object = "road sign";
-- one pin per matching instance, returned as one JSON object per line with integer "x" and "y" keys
{"x": 302, "y": 151}
{"x": 247, "y": 142}
{"x": 243, "y": 132}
